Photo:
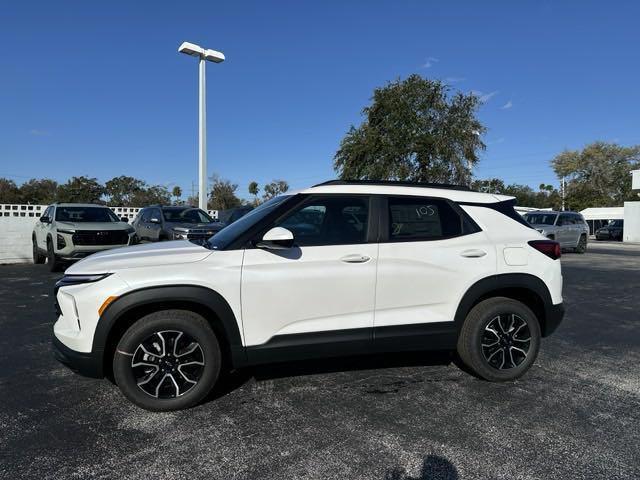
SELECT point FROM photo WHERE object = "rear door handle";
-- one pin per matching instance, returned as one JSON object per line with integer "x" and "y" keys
{"x": 355, "y": 258}
{"x": 473, "y": 253}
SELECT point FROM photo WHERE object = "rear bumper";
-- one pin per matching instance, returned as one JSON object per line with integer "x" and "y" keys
{"x": 554, "y": 316}
{"x": 87, "y": 364}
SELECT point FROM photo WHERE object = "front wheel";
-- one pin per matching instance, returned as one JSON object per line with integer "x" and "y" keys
{"x": 500, "y": 339}
{"x": 54, "y": 263}
{"x": 38, "y": 257}
{"x": 167, "y": 360}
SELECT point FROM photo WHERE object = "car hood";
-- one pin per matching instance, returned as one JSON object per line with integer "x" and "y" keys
{"x": 94, "y": 226}
{"x": 214, "y": 226}
{"x": 150, "y": 254}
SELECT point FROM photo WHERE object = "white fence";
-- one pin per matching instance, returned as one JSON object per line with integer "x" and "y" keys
{"x": 16, "y": 226}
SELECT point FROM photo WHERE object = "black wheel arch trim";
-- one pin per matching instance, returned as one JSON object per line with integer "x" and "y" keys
{"x": 167, "y": 294}
{"x": 501, "y": 284}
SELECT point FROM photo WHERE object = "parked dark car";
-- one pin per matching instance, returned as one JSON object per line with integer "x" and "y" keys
{"x": 613, "y": 231}
{"x": 231, "y": 215}
{"x": 157, "y": 223}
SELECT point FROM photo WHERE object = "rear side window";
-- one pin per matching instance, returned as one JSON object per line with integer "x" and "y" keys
{"x": 506, "y": 208}
{"x": 416, "y": 219}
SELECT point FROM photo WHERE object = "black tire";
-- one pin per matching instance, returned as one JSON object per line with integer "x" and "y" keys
{"x": 38, "y": 257}
{"x": 156, "y": 384}
{"x": 474, "y": 342}
{"x": 54, "y": 263}
{"x": 582, "y": 244}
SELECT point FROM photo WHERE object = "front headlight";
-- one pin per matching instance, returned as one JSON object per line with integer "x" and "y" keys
{"x": 80, "y": 279}
{"x": 180, "y": 233}
{"x": 67, "y": 231}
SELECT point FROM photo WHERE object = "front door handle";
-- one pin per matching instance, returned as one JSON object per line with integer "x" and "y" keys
{"x": 473, "y": 253}
{"x": 355, "y": 258}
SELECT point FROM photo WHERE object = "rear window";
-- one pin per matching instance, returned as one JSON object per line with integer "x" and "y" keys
{"x": 505, "y": 208}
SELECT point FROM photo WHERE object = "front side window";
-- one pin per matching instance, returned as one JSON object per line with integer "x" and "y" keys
{"x": 330, "y": 220}
{"x": 85, "y": 214}
{"x": 416, "y": 219}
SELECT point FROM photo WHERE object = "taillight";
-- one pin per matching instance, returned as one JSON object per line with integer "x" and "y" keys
{"x": 550, "y": 248}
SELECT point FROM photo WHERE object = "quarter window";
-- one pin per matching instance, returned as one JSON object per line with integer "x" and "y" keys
{"x": 331, "y": 220}
{"x": 415, "y": 219}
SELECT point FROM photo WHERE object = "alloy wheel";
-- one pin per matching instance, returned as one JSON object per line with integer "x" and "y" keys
{"x": 167, "y": 364}
{"x": 506, "y": 341}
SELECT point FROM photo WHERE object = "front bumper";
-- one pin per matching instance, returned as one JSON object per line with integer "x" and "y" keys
{"x": 87, "y": 364}
{"x": 553, "y": 318}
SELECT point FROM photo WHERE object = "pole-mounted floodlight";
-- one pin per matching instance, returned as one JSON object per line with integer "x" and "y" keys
{"x": 212, "y": 56}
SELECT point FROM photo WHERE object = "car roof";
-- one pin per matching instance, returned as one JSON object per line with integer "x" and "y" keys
{"x": 457, "y": 193}
{"x": 80, "y": 205}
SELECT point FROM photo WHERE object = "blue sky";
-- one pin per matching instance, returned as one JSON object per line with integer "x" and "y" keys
{"x": 99, "y": 89}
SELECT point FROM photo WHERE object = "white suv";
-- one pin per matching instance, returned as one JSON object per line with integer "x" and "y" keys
{"x": 69, "y": 231}
{"x": 341, "y": 268}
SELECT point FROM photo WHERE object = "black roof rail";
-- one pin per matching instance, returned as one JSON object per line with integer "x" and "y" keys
{"x": 397, "y": 183}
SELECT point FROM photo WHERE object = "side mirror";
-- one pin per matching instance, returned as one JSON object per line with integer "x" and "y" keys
{"x": 124, "y": 219}
{"x": 154, "y": 220}
{"x": 278, "y": 238}
{"x": 44, "y": 219}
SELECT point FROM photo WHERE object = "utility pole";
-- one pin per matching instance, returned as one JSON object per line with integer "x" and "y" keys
{"x": 563, "y": 192}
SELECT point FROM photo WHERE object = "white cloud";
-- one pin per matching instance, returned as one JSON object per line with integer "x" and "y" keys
{"x": 39, "y": 133}
{"x": 454, "y": 79}
{"x": 484, "y": 97}
{"x": 507, "y": 105}
{"x": 429, "y": 62}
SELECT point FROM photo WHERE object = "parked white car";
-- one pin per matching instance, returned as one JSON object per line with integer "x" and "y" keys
{"x": 70, "y": 231}
{"x": 339, "y": 268}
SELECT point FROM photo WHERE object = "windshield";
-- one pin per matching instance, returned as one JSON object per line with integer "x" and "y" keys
{"x": 85, "y": 214}
{"x": 228, "y": 234}
{"x": 616, "y": 223}
{"x": 541, "y": 218}
{"x": 186, "y": 215}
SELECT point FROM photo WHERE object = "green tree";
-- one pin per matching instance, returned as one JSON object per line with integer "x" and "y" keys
{"x": 153, "y": 195}
{"x": 416, "y": 130}
{"x": 9, "y": 191}
{"x": 223, "y": 194}
{"x": 39, "y": 192}
{"x": 122, "y": 190}
{"x": 546, "y": 197}
{"x": 254, "y": 189}
{"x": 491, "y": 185}
{"x": 275, "y": 188}
{"x": 597, "y": 175}
{"x": 176, "y": 193}
{"x": 82, "y": 190}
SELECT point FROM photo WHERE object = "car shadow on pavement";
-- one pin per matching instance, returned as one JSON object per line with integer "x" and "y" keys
{"x": 235, "y": 379}
{"x": 434, "y": 467}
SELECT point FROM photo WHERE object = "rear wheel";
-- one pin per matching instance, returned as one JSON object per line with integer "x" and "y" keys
{"x": 582, "y": 244}
{"x": 167, "y": 360}
{"x": 38, "y": 257}
{"x": 500, "y": 339}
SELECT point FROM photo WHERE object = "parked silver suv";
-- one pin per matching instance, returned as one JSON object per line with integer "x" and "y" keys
{"x": 569, "y": 229}
{"x": 70, "y": 231}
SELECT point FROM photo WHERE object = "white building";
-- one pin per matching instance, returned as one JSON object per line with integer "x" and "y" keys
{"x": 632, "y": 213}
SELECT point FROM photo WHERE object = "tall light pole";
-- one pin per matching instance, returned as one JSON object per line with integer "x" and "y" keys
{"x": 216, "y": 57}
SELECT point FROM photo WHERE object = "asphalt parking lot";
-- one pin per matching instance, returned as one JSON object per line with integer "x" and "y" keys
{"x": 576, "y": 414}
